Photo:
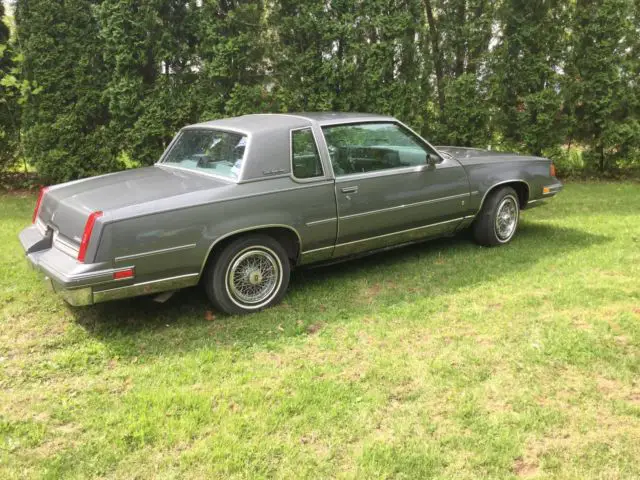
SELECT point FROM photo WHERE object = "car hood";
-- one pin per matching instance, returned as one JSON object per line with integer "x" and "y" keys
{"x": 66, "y": 207}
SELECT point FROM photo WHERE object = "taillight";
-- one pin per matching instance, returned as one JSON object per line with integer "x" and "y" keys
{"x": 86, "y": 235}
{"x": 36, "y": 210}
{"x": 552, "y": 170}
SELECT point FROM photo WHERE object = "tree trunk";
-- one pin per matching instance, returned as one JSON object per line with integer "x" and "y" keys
{"x": 437, "y": 58}
{"x": 461, "y": 47}
{"x": 477, "y": 48}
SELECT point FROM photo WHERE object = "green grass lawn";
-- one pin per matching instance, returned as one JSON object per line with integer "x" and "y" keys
{"x": 437, "y": 360}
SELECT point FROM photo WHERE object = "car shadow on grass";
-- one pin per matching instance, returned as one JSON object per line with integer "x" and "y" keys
{"x": 318, "y": 296}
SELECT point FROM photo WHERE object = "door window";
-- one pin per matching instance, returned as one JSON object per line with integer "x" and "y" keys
{"x": 368, "y": 147}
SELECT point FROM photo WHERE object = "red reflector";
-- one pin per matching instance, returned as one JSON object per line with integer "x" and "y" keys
{"x": 36, "y": 210}
{"x": 86, "y": 235}
{"x": 552, "y": 170}
{"x": 128, "y": 273}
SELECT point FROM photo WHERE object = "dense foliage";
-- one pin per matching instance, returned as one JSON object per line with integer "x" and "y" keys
{"x": 9, "y": 110}
{"x": 117, "y": 78}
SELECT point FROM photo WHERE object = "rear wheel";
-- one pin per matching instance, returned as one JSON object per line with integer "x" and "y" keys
{"x": 497, "y": 222}
{"x": 249, "y": 274}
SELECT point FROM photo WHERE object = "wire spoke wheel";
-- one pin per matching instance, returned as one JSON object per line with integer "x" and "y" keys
{"x": 506, "y": 219}
{"x": 254, "y": 277}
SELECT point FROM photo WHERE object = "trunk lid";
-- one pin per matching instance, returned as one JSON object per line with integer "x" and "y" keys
{"x": 474, "y": 156}
{"x": 66, "y": 207}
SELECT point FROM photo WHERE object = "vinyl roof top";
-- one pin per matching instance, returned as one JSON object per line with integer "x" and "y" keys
{"x": 264, "y": 122}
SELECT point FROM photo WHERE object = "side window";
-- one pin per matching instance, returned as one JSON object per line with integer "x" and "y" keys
{"x": 367, "y": 147}
{"x": 304, "y": 154}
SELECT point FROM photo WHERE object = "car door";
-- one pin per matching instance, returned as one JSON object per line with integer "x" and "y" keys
{"x": 387, "y": 193}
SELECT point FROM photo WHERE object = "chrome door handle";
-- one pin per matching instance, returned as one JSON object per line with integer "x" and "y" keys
{"x": 353, "y": 189}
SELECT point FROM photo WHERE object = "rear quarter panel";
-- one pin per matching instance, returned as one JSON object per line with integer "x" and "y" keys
{"x": 484, "y": 174}
{"x": 174, "y": 236}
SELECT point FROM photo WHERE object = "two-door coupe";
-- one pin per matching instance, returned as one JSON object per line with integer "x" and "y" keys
{"x": 236, "y": 203}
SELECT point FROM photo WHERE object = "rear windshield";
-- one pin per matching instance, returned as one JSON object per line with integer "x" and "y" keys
{"x": 213, "y": 151}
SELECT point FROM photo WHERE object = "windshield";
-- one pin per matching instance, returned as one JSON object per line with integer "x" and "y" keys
{"x": 212, "y": 151}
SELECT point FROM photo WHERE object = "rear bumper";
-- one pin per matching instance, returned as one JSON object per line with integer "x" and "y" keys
{"x": 548, "y": 192}
{"x": 82, "y": 284}
{"x": 551, "y": 190}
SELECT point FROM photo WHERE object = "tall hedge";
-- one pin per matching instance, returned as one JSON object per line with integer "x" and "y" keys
{"x": 120, "y": 77}
{"x": 149, "y": 48}
{"x": 66, "y": 128}
{"x": 602, "y": 84}
{"x": 233, "y": 50}
{"x": 529, "y": 56}
{"x": 9, "y": 108}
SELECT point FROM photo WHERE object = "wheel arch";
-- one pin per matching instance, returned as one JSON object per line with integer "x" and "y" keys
{"x": 286, "y": 235}
{"x": 520, "y": 186}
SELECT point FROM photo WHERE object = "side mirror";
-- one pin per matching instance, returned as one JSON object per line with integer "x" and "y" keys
{"x": 432, "y": 160}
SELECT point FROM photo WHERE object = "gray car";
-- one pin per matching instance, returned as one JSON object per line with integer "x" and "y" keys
{"x": 235, "y": 204}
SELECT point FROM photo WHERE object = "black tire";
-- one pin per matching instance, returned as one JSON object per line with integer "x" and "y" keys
{"x": 486, "y": 227}
{"x": 248, "y": 259}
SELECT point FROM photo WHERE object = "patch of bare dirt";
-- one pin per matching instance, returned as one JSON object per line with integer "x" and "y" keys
{"x": 372, "y": 292}
{"x": 526, "y": 468}
{"x": 315, "y": 328}
{"x": 581, "y": 324}
{"x": 608, "y": 387}
{"x": 634, "y": 398}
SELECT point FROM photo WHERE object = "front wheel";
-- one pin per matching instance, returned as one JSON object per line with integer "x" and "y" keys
{"x": 249, "y": 274}
{"x": 497, "y": 222}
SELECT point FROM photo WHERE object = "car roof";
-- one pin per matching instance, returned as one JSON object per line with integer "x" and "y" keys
{"x": 268, "y": 150}
{"x": 328, "y": 118}
{"x": 265, "y": 122}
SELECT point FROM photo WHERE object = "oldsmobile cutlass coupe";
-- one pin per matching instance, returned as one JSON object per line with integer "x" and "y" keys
{"x": 235, "y": 204}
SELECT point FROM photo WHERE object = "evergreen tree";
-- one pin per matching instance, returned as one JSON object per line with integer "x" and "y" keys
{"x": 527, "y": 62}
{"x": 232, "y": 50}
{"x": 389, "y": 76}
{"x": 460, "y": 32}
{"x": 299, "y": 53}
{"x": 602, "y": 90}
{"x": 149, "y": 48}
{"x": 122, "y": 76}
{"x": 350, "y": 55}
{"x": 9, "y": 108}
{"x": 66, "y": 126}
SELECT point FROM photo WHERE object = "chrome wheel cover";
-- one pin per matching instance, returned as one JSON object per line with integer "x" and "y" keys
{"x": 254, "y": 277}
{"x": 506, "y": 218}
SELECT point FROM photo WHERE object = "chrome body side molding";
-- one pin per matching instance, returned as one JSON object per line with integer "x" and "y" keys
{"x": 155, "y": 252}
{"x": 401, "y": 207}
{"x": 389, "y": 239}
{"x": 321, "y": 222}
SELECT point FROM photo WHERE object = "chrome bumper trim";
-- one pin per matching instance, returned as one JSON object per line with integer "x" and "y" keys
{"x": 146, "y": 288}
{"x": 78, "y": 280}
{"x": 78, "y": 297}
